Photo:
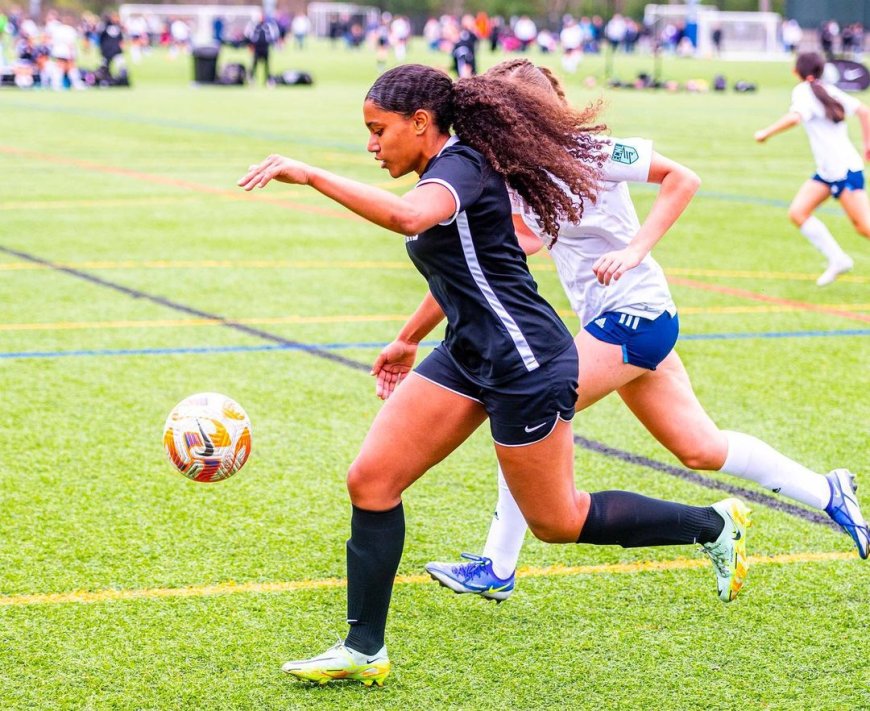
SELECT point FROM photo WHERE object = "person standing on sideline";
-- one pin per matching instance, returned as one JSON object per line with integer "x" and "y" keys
{"x": 111, "y": 42}
{"x": 300, "y": 27}
{"x": 464, "y": 50}
{"x": 506, "y": 356}
{"x": 622, "y": 298}
{"x": 571, "y": 39}
{"x": 822, "y": 110}
{"x": 261, "y": 35}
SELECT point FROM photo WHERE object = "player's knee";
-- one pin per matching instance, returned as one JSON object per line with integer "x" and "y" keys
{"x": 554, "y": 531}
{"x": 797, "y": 215}
{"x": 863, "y": 228}
{"x": 703, "y": 456}
{"x": 363, "y": 486}
{"x": 368, "y": 488}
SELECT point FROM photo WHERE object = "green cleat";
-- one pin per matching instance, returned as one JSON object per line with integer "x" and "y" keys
{"x": 728, "y": 552}
{"x": 341, "y": 662}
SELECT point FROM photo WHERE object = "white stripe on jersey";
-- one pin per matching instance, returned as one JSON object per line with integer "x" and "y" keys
{"x": 452, "y": 190}
{"x": 507, "y": 320}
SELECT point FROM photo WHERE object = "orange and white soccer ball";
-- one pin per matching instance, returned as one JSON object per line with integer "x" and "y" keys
{"x": 207, "y": 437}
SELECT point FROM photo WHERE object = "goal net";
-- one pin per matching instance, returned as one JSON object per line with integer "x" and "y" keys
{"x": 200, "y": 18}
{"x": 743, "y": 34}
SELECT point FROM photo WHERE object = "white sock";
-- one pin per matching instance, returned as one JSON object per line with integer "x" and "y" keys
{"x": 506, "y": 532}
{"x": 822, "y": 239}
{"x": 750, "y": 458}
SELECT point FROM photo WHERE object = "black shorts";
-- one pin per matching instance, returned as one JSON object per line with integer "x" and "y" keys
{"x": 521, "y": 411}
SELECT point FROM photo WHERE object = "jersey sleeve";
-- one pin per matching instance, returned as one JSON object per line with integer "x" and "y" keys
{"x": 517, "y": 203}
{"x": 628, "y": 160}
{"x": 461, "y": 174}
{"x": 804, "y": 102}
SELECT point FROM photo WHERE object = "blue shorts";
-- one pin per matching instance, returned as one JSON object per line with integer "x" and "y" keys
{"x": 854, "y": 181}
{"x": 645, "y": 342}
{"x": 521, "y": 411}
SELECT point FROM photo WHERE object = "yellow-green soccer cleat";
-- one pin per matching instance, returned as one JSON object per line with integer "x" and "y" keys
{"x": 340, "y": 662}
{"x": 728, "y": 552}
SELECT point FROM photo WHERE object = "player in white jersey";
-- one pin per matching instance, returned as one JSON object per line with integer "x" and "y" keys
{"x": 621, "y": 296}
{"x": 822, "y": 110}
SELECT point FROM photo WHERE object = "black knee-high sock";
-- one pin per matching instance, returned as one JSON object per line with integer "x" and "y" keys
{"x": 373, "y": 554}
{"x": 631, "y": 521}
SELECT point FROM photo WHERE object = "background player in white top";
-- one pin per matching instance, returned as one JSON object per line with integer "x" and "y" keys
{"x": 822, "y": 110}
{"x": 620, "y": 294}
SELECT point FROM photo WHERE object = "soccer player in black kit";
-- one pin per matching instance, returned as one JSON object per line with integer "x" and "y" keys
{"x": 506, "y": 354}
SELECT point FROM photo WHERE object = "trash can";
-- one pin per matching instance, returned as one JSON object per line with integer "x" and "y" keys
{"x": 205, "y": 61}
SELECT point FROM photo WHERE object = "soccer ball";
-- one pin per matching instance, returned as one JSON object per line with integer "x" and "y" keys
{"x": 207, "y": 437}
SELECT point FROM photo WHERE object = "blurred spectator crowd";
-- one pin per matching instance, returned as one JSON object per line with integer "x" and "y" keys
{"x": 47, "y": 54}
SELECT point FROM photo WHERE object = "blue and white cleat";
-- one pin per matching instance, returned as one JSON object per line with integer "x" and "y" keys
{"x": 476, "y": 577}
{"x": 844, "y": 510}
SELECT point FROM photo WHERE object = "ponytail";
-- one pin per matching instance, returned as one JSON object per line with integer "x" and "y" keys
{"x": 810, "y": 66}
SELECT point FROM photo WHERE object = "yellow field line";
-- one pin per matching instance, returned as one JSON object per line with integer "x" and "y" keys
{"x": 346, "y": 318}
{"x": 188, "y": 322}
{"x": 231, "y": 588}
{"x": 754, "y": 274}
{"x": 773, "y": 309}
{"x": 68, "y": 204}
{"x": 540, "y": 263}
{"x": 40, "y": 205}
{"x": 211, "y": 264}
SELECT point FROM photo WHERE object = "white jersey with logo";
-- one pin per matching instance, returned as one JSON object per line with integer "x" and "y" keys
{"x": 833, "y": 151}
{"x": 606, "y": 226}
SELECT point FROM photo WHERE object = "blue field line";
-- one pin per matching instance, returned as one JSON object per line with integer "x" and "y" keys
{"x": 277, "y": 342}
{"x": 315, "y": 347}
{"x": 196, "y": 350}
{"x": 745, "y": 199}
{"x": 774, "y": 334}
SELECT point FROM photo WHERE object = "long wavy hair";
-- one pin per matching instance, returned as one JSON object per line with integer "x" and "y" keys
{"x": 810, "y": 66}
{"x": 526, "y": 72}
{"x": 545, "y": 149}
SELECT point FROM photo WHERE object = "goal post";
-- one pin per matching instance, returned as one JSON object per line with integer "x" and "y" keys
{"x": 744, "y": 34}
{"x": 200, "y": 18}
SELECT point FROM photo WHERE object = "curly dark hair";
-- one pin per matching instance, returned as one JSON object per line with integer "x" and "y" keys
{"x": 545, "y": 149}
{"x": 529, "y": 73}
{"x": 409, "y": 87}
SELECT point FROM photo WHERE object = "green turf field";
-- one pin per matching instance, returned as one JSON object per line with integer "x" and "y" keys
{"x": 125, "y": 586}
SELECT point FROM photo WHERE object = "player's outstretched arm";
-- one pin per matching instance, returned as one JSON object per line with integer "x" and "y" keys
{"x": 418, "y": 210}
{"x": 678, "y": 185}
{"x": 791, "y": 119}
{"x": 397, "y": 358}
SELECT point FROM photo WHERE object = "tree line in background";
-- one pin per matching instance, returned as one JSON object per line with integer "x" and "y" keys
{"x": 549, "y": 11}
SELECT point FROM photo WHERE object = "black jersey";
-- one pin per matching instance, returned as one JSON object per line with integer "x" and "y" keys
{"x": 498, "y": 326}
